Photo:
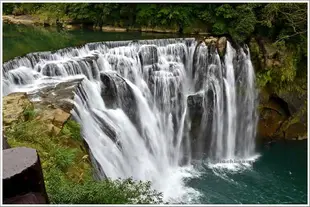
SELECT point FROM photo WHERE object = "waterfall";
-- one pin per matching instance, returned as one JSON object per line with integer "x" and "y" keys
{"x": 148, "y": 108}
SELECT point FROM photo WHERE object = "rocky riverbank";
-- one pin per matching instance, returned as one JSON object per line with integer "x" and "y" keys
{"x": 73, "y": 25}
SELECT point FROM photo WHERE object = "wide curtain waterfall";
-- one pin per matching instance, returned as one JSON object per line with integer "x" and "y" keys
{"x": 149, "y": 108}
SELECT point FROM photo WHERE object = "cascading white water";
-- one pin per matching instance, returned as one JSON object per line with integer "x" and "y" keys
{"x": 133, "y": 104}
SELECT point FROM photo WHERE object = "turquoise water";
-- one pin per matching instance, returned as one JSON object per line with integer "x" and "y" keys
{"x": 278, "y": 176}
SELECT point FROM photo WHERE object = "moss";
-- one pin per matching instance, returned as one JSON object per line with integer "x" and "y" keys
{"x": 53, "y": 150}
{"x": 256, "y": 54}
{"x": 279, "y": 71}
{"x": 294, "y": 119}
{"x": 67, "y": 170}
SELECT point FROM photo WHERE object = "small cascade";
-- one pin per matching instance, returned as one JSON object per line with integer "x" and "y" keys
{"x": 148, "y": 108}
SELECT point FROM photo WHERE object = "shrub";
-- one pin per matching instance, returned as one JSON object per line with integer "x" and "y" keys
{"x": 29, "y": 113}
{"x": 67, "y": 175}
{"x": 73, "y": 129}
{"x": 104, "y": 192}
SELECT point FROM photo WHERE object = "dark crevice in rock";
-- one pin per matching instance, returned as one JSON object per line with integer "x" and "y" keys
{"x": 281, "y": 103}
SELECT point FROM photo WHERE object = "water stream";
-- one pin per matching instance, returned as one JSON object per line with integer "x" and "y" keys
{"x": 139, "y": 103}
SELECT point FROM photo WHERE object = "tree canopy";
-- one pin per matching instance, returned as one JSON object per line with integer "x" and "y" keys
{"x": 284, "y": 25}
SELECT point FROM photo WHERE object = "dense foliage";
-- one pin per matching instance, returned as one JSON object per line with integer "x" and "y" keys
{"x": 240, "y": 20}
{"x": 67, "y": 170}
{"x": 282, "y": 25}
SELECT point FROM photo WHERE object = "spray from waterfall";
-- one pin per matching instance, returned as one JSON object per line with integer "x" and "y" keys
{"x": 148, "y": 108}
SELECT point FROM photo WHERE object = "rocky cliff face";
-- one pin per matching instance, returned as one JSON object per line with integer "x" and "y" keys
{"x": 283, "y": 109}
{"x": 282, "y": 113}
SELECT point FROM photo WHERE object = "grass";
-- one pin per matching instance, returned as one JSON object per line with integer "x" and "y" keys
{"x": 67, "y": 171}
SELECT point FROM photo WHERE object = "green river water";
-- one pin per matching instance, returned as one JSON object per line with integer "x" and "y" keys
{"x": 278, "y": 176}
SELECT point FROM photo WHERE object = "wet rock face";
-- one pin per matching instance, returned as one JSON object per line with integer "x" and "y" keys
{"x": 195, "y": 112}
{"x": 201, "y": 122}
{"x": 195, "y": 103}
{"x": 148, "y": 55}
{"x": 22, "y": 177}
{"x": 116, "y": 93}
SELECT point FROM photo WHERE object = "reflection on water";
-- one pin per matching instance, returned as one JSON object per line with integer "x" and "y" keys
{"x": 18, "y": 40}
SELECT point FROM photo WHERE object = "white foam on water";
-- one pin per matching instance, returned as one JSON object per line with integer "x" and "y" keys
{"x": 132, "y": 106}
{"x": 234, "y": 165}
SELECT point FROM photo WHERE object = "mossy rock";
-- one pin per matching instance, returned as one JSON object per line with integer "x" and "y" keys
{"x": 14, "y": 106}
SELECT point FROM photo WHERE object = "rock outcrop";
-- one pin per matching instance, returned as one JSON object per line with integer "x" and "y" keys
{"x": 274, "y": 123}
{"x": 53, "y": 104}
{"x": 14, "y": 106}
{"x": 217, "y": 42}
{"x": 22, "y": 177}
{"x": 278, "y": 121}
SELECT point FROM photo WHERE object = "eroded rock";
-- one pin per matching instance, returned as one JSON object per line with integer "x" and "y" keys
{"x": 14, "y": 106}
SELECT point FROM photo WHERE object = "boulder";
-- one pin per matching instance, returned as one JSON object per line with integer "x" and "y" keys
{"x": 53, "y": 130}
{"x": 22, "y": 177}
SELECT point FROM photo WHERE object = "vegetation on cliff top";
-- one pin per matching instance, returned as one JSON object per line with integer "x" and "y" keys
{"x": 283, "y": 26}
{"x": 66, "y": 167}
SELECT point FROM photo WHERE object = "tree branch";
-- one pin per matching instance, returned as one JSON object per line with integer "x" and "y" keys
{"x": 289, "y": 36}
